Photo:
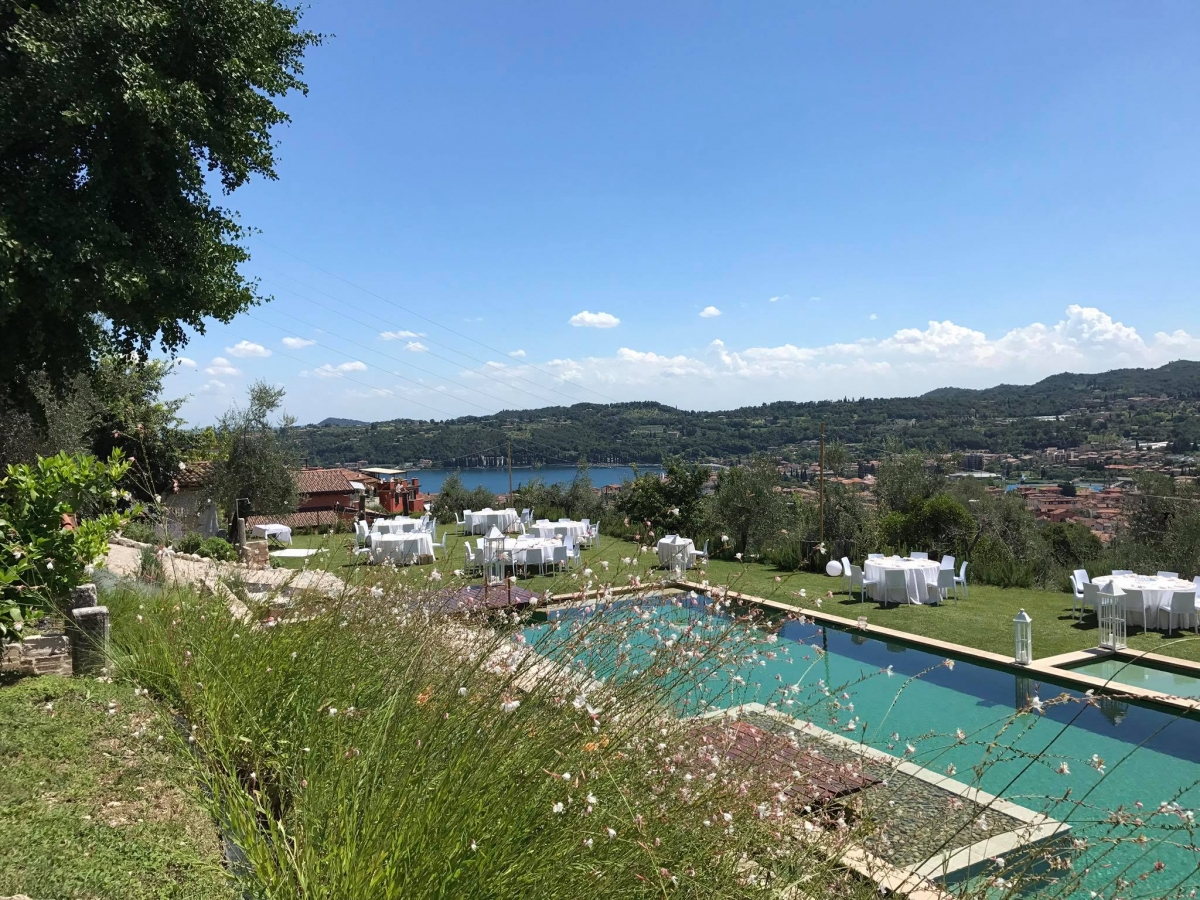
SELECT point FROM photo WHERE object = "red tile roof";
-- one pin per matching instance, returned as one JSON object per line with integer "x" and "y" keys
{"x": 319, "y": 518}
{"x": 323, "y": 481}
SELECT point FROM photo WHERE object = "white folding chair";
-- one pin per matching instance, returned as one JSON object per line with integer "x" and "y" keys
{"x": 1183, "y": 606}
{"x": 936, "y": 591}
{"x": 918, "y": 555}
{"x": 895, "y": 587}
{"x": 857, "y": 580}
{"x": 1168, "y": 574}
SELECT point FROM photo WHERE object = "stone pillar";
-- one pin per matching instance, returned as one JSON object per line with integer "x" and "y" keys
{"x": 256, "y": 554}
{"x": 88, "y": 627}
{"x": 241, "y": 532}
{"x": 84, "y": 595}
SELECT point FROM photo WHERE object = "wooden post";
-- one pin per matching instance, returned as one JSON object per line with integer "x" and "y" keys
{"x": 821, "y": 487}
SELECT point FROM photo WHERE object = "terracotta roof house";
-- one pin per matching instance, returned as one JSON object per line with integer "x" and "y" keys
{"x": 328, "y": 489}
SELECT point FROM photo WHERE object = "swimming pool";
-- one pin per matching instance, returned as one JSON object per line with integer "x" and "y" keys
{"x": 1079, "y": 761}
{"x": 1157, "y": 677}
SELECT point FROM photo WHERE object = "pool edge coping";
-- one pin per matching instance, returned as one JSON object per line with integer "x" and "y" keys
{"x": 1047, "y": 666}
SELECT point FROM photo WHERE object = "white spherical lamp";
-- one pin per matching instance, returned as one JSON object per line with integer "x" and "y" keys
{"x": 833, "y": 569}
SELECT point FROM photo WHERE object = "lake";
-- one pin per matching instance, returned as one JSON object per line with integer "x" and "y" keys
{"x": 496, "y": 480}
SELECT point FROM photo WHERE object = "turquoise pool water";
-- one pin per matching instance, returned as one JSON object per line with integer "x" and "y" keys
{"x": 893, "y": 697}
{"x": 1163, "y": 680}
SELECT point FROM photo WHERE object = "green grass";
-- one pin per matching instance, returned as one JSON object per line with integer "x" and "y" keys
{"x": 91, "y": 808}
{"x": 984, "y": 621}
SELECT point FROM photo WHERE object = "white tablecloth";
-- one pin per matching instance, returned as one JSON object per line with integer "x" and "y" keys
{"x": 481, "y": 521}
{"x": 515, "y": 547}
{"x": 575, "y": 530}
{"x": 672, "y": 549}
{"x": 1157, "y": 592}
{"x": 281, "y": 533}
{"x": 399, "y": 525}
{"x": 402, "y": 548}
{"x": 918, "y": 573}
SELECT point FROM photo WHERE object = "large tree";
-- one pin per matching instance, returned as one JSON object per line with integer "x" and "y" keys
{"x": 117, "y": 117}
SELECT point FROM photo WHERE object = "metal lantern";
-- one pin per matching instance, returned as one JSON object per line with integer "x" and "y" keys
{"x": 1112, "y": 621}
{"x": 1023, "y": 639}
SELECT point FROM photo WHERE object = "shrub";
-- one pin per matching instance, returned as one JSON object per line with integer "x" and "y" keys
{"x": 189, "y": 543}
{"x": 56, "y": 517}
{"x": 219, "y": 549}
{"x": 142, "y": 531}
{"x": 150, "y": 567}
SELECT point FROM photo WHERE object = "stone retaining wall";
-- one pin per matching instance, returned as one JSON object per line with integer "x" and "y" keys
{"x": 38, "y": 655}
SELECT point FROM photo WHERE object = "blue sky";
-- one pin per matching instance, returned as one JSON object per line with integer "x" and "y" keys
{"x": 877, "y": 198}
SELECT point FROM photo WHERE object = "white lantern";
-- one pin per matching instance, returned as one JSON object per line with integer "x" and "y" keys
{"x": 495, "y": 543}
{"x": 833, "y": 569}
{"x": 1023, "y": 639}
{"x": 1112, "y": 621}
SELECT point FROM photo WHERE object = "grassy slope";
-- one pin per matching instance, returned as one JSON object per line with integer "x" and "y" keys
{"x": 983, "y": 621}
{"x": 88, "y": 809}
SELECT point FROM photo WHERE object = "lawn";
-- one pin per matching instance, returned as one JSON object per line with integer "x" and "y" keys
{"x": 92, "y": 803}
{"x": 983, "y": 621}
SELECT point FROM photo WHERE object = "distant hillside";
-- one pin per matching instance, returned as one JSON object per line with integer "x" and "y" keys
{"x": 1062, "y": 410}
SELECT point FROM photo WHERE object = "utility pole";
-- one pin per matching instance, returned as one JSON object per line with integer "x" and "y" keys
{"x": 821, "y": 486}
{"x": 510, "y": 496}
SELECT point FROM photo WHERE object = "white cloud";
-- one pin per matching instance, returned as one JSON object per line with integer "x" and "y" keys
{"x": 777, "y": 298}
{"x": 183, "y": 362}
{"x": 213, "y": 387}
{"x": 709, "y": 312}
{"x": 221, "y": 366}
{"x": 248, "y": 350}
{"x": 297, "y": 343}
{"x": 517, "y": 354}
{"x": 415, "y": 347}
{"x": 873, "y": 317}
{"x": 588, "y": 319}
{"x": 331, "y": 371}
{"x": 401, "y": 335}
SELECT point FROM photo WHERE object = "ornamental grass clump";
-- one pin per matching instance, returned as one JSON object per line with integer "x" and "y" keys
{"x": 374, "y": 746}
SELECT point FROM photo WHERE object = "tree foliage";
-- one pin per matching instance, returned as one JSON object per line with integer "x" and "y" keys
{"x": 747, "y": 505}
{"x": 255, "y": 463}
{"x": 454, "y": 497}
{"x": 118, "y": 117}
{"x": 674, "y": 502}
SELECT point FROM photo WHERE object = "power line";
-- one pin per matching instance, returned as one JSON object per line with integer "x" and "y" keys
{"x": 483, "y": 370}
{"x": 432, "y": 321}
{"x": 452, "y": 349}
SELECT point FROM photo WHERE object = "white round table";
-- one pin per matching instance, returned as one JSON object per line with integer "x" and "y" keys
{"x": 573, "y": 530}
{"x": 918, "y": 574}
{"x": 400, "y": 525}
{"x": 1156, "y": 591}
{"x": 673, "y": 550}
{"x": 480, "y": 521}
{"x": 402, "y": 548}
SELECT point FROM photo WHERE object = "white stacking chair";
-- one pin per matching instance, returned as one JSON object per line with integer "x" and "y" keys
{"x": 962, "y": 579}
{"x": 1077, "y": 587}
{"x": 948, "y": 562}
{"x": 1135, "y": 601}
{"x": 1091, "y": 597}
{"x": 472, "y": 563}
{"x": 1196, "y": 582}
{"x": 874, "y": 556}
{"x": 466, "y": 521}
{"x": 918, "y": 555}
{"x": 1122, "y": 571}
{"x": 535, "y": 557}
{"x": 857, "y": 580}
{"x": 526, "y": 516}
{"x": 362, "y": 536}
{"x": 577, "y": 555}
{"x": 700, "y": 554}
{"x": 1168, "y": 574}
{"x": 1183, "y": 607}
{"x": 560, "y": 557}
{"x": 846, "y": 575}
{"x": 438, "y": 545}
{"x": 1081, "y": 577}
{"x": 895, "y": 587}
{"x": 594, "y": 536}
{"x": 937, "y": 591}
